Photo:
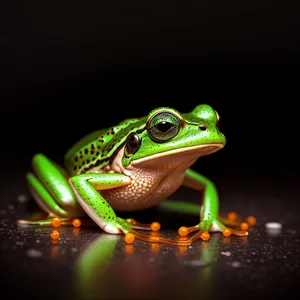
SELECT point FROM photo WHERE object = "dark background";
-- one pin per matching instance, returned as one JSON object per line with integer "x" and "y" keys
{"x": 71, "y": 68}
{"x": 68, "y": 68}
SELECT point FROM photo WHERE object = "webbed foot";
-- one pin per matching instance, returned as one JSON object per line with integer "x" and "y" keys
{"x": 237, "y": 227}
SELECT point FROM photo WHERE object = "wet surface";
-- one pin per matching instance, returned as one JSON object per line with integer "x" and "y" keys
{"x": 85, "y": 263}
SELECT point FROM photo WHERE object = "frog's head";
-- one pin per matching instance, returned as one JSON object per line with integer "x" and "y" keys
{"x": 171, "y": 136}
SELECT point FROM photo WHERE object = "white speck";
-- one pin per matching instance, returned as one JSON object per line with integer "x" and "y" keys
{"x": 37, "y": 241}
{"x": 196, "y": 263}
{"x": 226, "y": 253}
{"x": 19, "y": 243}
{"x": 74, "y": 249}
{"x": 273, "y": 228}
{"x": 34, "y": 253}
{"x": 10, "y": 207}
{"x": 248, "y": 260}
{"x": 273, "y": 225}
{"x": 22, "y": 198}
{"x": 2, "y": 212}
{"x": 190, "y": 247}
{"x": 235, "y": 264}
{"x": 151, "y": 259}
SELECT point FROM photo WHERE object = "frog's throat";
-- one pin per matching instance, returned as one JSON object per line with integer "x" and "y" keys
{"x": 199, "y": 150}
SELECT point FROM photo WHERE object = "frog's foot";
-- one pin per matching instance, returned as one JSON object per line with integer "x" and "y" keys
{"x": 207, "y": 226}
{"x": 128, "y": 227}
{"x": 234, "y": 220}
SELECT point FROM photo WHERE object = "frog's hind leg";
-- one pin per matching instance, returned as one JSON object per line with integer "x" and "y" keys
{"x": 52, "y": 193}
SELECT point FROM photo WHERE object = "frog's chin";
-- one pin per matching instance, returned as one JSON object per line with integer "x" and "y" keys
{"x": 192, "y": 152}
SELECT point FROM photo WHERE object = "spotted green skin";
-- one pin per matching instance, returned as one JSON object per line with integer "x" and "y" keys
{"x": 82, "y": 180}
{"x": 96, "y": 149}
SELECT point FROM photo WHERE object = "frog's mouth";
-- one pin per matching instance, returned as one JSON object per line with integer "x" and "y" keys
{"x": 185, "y": 153}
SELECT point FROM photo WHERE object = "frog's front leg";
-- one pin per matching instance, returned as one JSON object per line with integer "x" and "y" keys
{"x": 87, "y": 189}
{"x": 210, "y": 220}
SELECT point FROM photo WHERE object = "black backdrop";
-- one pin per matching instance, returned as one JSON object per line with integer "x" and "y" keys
{"x": 69, "y": 68}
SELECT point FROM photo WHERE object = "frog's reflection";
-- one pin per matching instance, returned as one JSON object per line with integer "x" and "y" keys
{"x": 108, "y": 268}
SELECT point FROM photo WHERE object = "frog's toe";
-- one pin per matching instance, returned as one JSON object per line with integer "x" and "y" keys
{"x": 131, "y": 235}
{"x": 128, "y": 227}
{"x": 202, "y": 231}
{"x": 154, "y": 226}
{"x": 234, "y": 220}
{"x": 54, "y": 221}
{"x": 228, "y": 231}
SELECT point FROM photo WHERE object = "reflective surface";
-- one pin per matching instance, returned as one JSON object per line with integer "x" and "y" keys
{"x": 85, "y": 263}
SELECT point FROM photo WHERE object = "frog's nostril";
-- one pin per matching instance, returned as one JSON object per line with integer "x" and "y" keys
{"x": 203, "y": 127}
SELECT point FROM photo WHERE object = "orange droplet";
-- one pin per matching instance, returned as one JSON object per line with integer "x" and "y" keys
{"x": 55, "y": 234}
{"x": 76, "y": 230}
{"x": 244, "y": 226}
{"x": 183, "y": 231}
{"x": 76, "y": 223}
{"x": 129, "y": 238}
{"x": 155, "y": 247}
{"x": 56, "y": 222}
{"x": 227, "y": 232}
{"x": 251, "y": 220}
{"x": 182, "y": 249}
{"x": 129, "y": 248}
{"x": 205, "y": 236}
{"x": 232, "y": 216}
{"x": 154, "y": 233}
{"x": 155, "y": 226}
{"x": 54, "y": 242}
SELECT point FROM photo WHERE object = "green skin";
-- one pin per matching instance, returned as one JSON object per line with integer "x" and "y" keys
{"x": 132, "y": 166}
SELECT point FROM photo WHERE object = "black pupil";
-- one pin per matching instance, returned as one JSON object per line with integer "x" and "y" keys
{"x": 133, "y": 143}
{"x": 164, "y": 126}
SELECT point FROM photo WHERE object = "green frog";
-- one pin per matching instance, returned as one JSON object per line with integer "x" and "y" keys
{"x": 132, "y": 166}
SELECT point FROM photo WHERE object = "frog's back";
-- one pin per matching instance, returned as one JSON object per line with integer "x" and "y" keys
{"x": 94, "y": 151}
{"x": 89, "y": 138}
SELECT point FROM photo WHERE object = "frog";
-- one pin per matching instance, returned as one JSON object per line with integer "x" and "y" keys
{"x": 135, "y": 165}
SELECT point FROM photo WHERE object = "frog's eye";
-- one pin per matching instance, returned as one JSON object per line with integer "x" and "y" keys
{"x": 163, "y": 126}
{"x": 132, "y": 144}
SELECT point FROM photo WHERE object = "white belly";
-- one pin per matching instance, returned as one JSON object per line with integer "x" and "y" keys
{"x": 145, "y": 190}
